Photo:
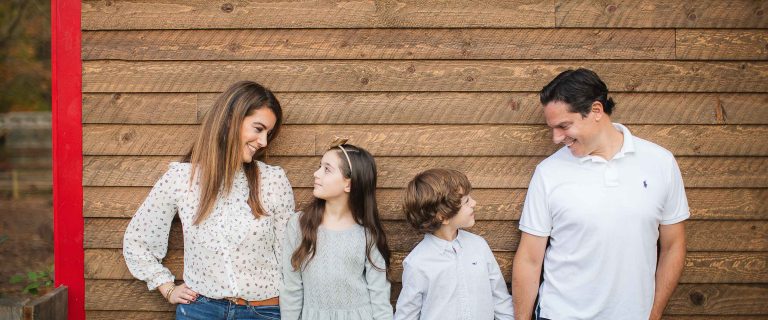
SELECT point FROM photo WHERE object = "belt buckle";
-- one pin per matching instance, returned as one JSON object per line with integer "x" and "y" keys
{"x": 237, "y": 301}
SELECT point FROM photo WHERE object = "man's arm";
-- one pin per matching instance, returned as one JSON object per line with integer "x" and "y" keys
{"x": 526, "y": 270}
{"x": 670, "y": 266}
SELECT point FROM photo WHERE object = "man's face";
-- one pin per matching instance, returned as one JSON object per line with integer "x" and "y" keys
{"x": 571, "y": 129}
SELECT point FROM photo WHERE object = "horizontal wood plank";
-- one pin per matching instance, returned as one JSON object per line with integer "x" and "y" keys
{"x": 725, "y": 299}
{"x": 395, "y": 172}
{"x": 202, "y": 14}
{"x": 178, "y": 139}
{"x": 148, "y": 108}
{"x": 418, "y": 75}
{"x": 393, "y": 44}
{"x": 725, "y": 267}
{"x": 426, "y": 140}
{"x": 501, "y": 235}
{"x": 701, "y": 299}
{"x": 697, "y": 44}
{"x": 492, "y": 204}
{"x": 700, "y": 267}
{"x": 661, "y": 14}
{"x": 429, "y": 108}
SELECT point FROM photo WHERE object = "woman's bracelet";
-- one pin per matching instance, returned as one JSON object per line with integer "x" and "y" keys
{"x": 169, "y": 291}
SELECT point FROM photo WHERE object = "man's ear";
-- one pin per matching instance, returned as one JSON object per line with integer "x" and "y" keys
{"x": 597, "y": 109}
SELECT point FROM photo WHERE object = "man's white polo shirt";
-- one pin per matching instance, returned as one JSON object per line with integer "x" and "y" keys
{"x": 602, "y": 219}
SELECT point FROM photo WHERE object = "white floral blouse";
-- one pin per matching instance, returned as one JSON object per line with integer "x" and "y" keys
{"x": 230, "y": 254}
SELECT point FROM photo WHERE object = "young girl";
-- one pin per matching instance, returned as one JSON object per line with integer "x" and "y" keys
{"x": 233, "y": 210}
{"x": 336, "y": 255}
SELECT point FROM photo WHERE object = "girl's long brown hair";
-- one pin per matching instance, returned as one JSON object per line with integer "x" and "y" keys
{"x": 217, "y": 153}
{"x": 362, "y": 203}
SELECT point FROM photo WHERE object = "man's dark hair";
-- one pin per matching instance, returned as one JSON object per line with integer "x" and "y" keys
{"x": 578, "y": 88}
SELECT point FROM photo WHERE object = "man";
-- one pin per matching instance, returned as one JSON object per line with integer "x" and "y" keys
{"x": 602, "y": 202}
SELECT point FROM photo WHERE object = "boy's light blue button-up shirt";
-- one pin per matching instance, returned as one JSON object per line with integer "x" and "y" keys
{"x": 457, "y": 279}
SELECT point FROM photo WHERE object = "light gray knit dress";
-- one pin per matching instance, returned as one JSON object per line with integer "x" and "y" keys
{"x": 339, "y": 283}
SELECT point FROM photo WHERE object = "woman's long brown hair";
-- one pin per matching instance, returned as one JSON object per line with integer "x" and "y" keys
{"x": 362, "y": 203}
{"x": 217, "y": 153}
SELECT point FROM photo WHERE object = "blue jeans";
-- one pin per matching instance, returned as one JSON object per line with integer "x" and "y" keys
{"x": 204, "y": 308}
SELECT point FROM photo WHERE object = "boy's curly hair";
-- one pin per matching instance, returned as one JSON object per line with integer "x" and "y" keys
{"x": 434, "y": 196}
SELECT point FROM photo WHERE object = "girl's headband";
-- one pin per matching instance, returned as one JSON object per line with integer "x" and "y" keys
{"x": 338, "y": 142}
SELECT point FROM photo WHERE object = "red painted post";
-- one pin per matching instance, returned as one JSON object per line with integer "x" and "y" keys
{"x": 66, "y": 84}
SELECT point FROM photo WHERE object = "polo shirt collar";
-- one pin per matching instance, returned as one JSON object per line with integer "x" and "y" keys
{"x": 444, "y": 246}
{"x": 628, "y": 146}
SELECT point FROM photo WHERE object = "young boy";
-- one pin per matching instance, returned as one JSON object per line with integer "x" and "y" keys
{"x": 451, "y": 274}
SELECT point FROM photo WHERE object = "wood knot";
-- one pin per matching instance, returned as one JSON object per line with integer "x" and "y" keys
{"x": 233, "y": 47}
{"x": 759, "y": 12}
{"x": 364, "y": 80}
{"x": 469, "y": 79}
{"x": 753, "y": 227}
{"x": 108, "y": 3}
{"x": 227, "y": 7}
{"x": 743, "y": 66}
{"x": 697, "y": 298}
{"x": 126, "y": 136}
{"x": 692, "y": 16}
{"x": 632, "y": 85}
{"x": 411, "y": 69}
{"x": 116, "y": 97}
{"x": 611, "y": 8}
{"x": 512, "y": 104}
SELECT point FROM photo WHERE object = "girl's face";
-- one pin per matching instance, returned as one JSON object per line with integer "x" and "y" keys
{"x": 254, "y": 131}
{"x": 330, "y": 182}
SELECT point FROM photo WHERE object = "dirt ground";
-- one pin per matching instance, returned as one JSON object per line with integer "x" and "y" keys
{"x": 26, "y": 225}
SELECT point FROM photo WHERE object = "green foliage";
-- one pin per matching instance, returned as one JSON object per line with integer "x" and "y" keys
{"x": 34, "y": 280}
{"x": 25, "y": 59}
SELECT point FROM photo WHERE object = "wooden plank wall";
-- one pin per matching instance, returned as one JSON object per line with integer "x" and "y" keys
{"x": 435, "y": 84}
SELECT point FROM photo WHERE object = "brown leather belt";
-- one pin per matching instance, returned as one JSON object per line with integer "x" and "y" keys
{"x": 242, "y": 302}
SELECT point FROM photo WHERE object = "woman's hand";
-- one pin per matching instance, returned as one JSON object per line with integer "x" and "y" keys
{"x": 178, "y": 294}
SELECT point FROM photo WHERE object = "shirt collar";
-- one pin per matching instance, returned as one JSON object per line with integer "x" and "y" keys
{"x": 445, "y": 246}
{"x": 628, "y": 146}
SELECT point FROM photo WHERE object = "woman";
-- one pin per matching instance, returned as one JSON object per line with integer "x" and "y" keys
{"x": 233, "y": 209}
